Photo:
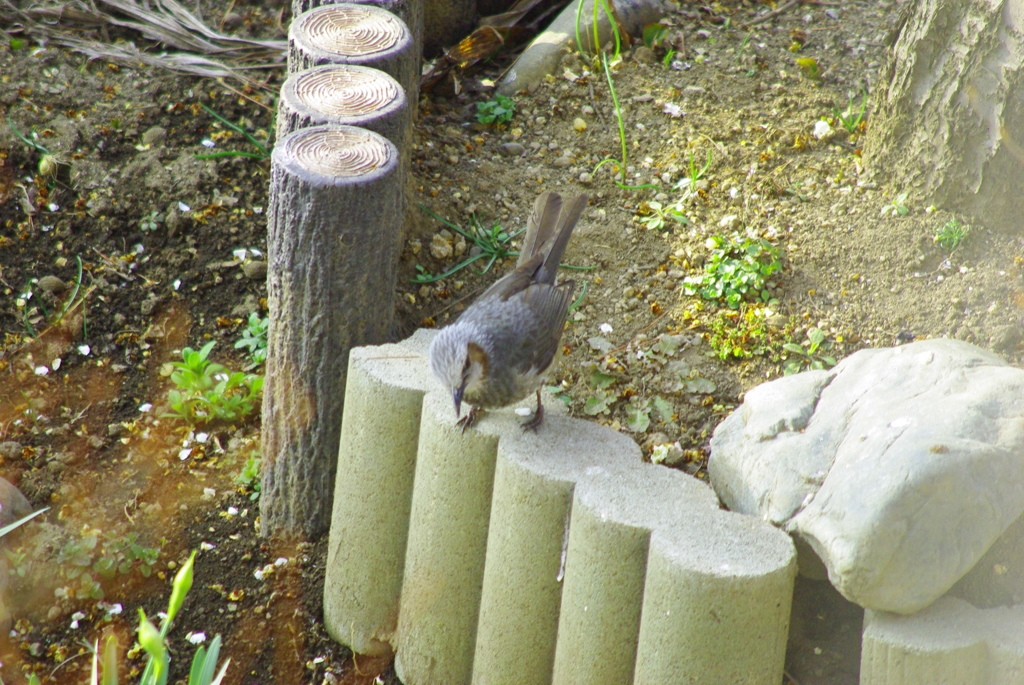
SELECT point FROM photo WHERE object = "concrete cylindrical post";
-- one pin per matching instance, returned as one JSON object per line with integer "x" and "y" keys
{"x": 522, "y": 590}
{"x": 716, "y": 603}
{"x": 614, "y": 512}
{"x": 373, "y": 493}
{"x": 333, "y": 239}
{"x": 444, "y": 561}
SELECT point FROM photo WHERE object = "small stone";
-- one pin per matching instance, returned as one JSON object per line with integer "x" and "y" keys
{"x": 561, "y": 162}
{"x": 255, "y": 270}
{"x": 586, "y": 177}
{"x": 579, "y": 125}
{"x": 150, "y": 304}
{"x": 10, "y": 449}
{"x": 52, "y": 285}
{"x": 644, "y": 55}
{"x": 440, "y": 248}
{"x": 232, "y": 21}
{"x": 729, "y": 221}
{"x": 513, "y": 149}
{"x": 154, "y": 135}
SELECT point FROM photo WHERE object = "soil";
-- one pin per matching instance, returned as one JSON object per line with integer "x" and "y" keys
{"x": 159, "y": 232}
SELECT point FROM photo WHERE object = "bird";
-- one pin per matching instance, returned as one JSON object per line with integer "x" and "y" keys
{"x": 503, "y": 345}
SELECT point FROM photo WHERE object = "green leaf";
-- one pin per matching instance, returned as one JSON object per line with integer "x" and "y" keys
{"x": 22, "y": 521}
{"x": 663, "y": 407}
{"x": 638, "y": 418}
{"x": 653, "y": 34}
{"x": 601, "y": 380}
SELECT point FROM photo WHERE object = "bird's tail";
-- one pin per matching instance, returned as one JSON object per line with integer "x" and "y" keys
{"x": 548, "y": 231}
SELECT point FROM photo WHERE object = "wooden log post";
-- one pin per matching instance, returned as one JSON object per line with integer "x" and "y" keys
{"x": 360, "y": 35}
{"x": 333, "y": 234}
{"x": 409, "y": 11}
{"x": 346, "y": 95}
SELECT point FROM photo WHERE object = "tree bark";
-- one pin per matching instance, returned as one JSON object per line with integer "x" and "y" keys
{"x": 948, "y": 116}
{"x": 333, "y": 239}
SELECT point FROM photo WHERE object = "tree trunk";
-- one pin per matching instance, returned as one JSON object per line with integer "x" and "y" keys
{"x": 948, "y": 116}
{"x": 333, "y": 229}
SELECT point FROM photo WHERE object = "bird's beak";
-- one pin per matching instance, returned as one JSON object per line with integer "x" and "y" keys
{"x": 457, "y": 397}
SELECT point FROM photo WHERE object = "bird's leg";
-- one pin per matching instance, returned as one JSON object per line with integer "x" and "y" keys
{"x": 469, "y": 419}
{"x": 538, "y": 417}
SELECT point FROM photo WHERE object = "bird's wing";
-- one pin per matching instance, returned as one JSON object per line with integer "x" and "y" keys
{"x": 549, "y": 305}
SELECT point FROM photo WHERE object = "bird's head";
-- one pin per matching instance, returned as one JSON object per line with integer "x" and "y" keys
{"x": 458, "y": 358}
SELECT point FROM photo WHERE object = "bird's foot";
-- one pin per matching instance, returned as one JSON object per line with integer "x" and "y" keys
{"x": 533, "y": 423}
{"x": 469, "y": 420}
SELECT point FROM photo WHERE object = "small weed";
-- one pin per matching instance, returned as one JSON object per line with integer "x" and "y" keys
{"x": 654, "y": 34}
{"x": 84, "y": 561}
{"x": 897, "y": 207}
{"x": 254, "y": 338}
{"x": 850, "y": 119}
{"x": 737, "y": 269}
{"x": 806, "y": 356}
{"x": 494, "y": 244}
{"x": 249, "y": 478}
{"x": 666, "y": 61}
{"x": 32, "y": 314}
{"x": 655, "y": 216}
{"x": 950, "y": 234}
{"x": 207, "y": 391}
{"x": 740, "y": 334}
{"x": 688, "y": 185}
{"x": 262, "y": 151}
{"x": 810, "y": 67}
{"x": 496, "y": 111}
{"x": 151, "y": 222}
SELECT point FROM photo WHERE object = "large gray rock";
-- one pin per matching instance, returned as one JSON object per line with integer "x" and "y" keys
{"x": 899, "y": 467}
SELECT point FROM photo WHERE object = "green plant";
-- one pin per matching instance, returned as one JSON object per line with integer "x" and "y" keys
{"x": 739, "y": 334}
{"x": 670, "y": 55}
{"x": 496, "y": 111}
{"x": 30, "y": 292}
{"x": 494, "y": 244}
{"x": 249, "y": 478}
{"x": 154, "y": 642}
{"x": 688, "y": 185}
{"x": 655, "y": 215}
{"x": 737, "y": 269}
{"x": 85, "y": 560}
{"x": 850, "y": 119}
{"x": 807, "y": 355}
{"x": 653, "y": 34}
{"x": 897, "y": 206}
{"x": 950, "y": 234}
{"x": 22, "y": 521}
{"x": 151, "y": 222}
{"x": 254, "y": 338}
{"x": 207, "y": 391}
{"x": 262, "y": 151}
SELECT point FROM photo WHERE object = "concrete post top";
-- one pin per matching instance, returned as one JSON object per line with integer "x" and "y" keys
{"x": 402, "y": 364}
{"x": 725, "y": 544}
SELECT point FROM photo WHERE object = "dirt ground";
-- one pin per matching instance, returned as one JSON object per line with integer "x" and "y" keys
{"x": 158, "y": 233}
